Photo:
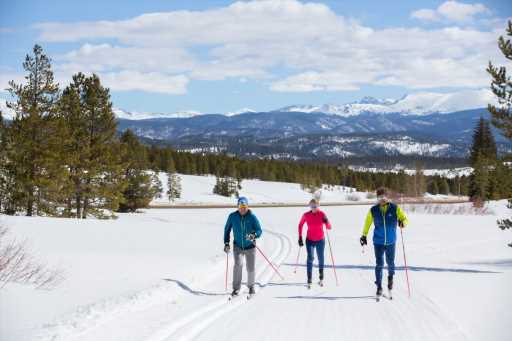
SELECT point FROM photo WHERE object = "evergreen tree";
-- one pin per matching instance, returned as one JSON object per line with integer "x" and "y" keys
{"x": 483, "y": 160}
{"x": 226, "y": 186}
{"x": 33, "y": 144}
{"x": 142, "y": 185}
{"x": 501, "y": 86}
{"x": 444, "y": 187}
{"x": 483, "y": 144}
{"x": 174, "y": 186}
{"x": 97, "y": 173}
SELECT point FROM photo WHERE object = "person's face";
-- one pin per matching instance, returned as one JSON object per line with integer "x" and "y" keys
{"x": 243, "y": 209}
{"x": 382, "y": 199}
{"x": 313, "y": 207}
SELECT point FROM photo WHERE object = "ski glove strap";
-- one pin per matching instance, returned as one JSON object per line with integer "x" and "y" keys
{"x": 363, "y": 241}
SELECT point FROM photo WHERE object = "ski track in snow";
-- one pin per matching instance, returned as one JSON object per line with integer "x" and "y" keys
{"x": 189, "y": 326}
{"x": 108, "y": 315}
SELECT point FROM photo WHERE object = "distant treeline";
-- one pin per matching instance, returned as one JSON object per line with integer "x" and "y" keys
{"x": 309, "y": 174}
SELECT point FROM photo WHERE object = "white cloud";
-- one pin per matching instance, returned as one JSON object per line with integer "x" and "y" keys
{"x": 451, "y": 11}
{"x": 316, "y": 49}
{"x": 149, "y": 82}
{"x": 425, "y": 14}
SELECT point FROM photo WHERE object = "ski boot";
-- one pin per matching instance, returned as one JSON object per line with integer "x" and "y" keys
{"x": 321, "y": 276}
{"x": 252, "y": 292}
{"x": 378, "y": 294}
{"x": 390, "y": 287}
{"x": 309, "y": 284}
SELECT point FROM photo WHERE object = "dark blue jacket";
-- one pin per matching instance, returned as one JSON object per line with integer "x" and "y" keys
{"x": 242, "y": 226}
{"x": 385, "y": 223}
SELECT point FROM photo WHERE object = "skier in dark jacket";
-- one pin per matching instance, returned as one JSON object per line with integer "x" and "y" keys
{"x": 246, "y": 229}
{"x": 385, "y": 216}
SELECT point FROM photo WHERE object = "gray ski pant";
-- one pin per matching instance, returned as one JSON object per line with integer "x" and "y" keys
{"x": 250, "y": 262}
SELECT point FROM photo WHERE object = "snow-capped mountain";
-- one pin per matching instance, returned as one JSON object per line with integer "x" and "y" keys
{"x": 126, "y": 115}
{"x": 421, "y": 103}
{"x": 240, "y": 111}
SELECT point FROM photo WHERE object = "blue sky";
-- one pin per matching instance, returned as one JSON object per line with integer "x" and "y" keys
{"x": 217, "y": 56}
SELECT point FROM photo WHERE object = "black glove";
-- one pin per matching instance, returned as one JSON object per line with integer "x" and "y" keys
{"x": 401, "y": 224}
{"x": 226, "y": 248}
{"x": 301, "y": 242}
{"x": 251, "y": 237}
{"x": 363, "y": 241}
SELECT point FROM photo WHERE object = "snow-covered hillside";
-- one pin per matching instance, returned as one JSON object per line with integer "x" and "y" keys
{"x": 199, "y": 190}
{"x": 159, "y": 275}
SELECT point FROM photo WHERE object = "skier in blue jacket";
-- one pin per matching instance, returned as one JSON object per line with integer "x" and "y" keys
{"x": 246, "y": 229}
{"x": 385, "y": 216}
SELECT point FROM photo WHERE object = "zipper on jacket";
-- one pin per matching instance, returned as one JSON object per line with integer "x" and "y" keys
{"x": 385, "y": 228}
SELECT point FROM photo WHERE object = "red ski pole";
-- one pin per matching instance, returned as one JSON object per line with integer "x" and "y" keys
{"x": 405, "y": 263}
{"x": 273, "y": 267}
{"x": 297, "y": 262}
{"x": 227, "y": 269}
{"x": 332, "y": 258}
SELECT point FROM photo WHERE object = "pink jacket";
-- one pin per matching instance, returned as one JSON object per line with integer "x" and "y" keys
{"x": 315, "y": 223}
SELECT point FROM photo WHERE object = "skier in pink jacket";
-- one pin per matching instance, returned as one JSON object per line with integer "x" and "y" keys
{"x": 315, "y": 219}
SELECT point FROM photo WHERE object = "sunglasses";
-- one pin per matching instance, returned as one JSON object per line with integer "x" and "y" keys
{"x": 313, "y": 206}
{"x": 242, "y": 206}
{"x": 382, "y": 198}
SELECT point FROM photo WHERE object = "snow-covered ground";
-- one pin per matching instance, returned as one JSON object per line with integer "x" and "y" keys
{"x": 159, "y": 275}
{"x": 199, "y": 190}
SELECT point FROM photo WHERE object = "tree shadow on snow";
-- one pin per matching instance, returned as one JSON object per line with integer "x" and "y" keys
{"x": 501, "y": 263}
{"x": 192, "y": 291}
{"x": 401, "y": 268}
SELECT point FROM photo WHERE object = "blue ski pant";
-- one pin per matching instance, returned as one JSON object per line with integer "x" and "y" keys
{"x": 319, "y": 245}
{"x": 389, "y": 251}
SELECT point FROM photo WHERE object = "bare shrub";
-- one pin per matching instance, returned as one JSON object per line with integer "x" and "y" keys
{"x": 448, "y": 209}
{"x": 18, "y": 266}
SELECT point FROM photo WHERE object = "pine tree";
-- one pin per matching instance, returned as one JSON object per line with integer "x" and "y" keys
{"x": 94, "y": 154}
{"x": 482, "y": 159}
{"x": 174, "y": 186}
{"x": 444, "y": 187}
{"x": 142, "y": 185}
{"x": 483, "y": 144}
{"x": 226, "y": 186}
{"x": 33, "y": 146}
{"x": 501, "y": 86}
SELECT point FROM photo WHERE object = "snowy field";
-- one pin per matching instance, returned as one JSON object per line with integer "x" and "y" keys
{"x": 198, "y": 190}
{"x": 159, "y": 275}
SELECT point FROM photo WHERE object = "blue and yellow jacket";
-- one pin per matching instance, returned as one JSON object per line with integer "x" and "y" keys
{"x": 242, "y": 225}
{"x": 385, "y": 218}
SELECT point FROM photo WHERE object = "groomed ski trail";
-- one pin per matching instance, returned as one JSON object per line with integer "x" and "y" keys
{"x": 189, "y": 326}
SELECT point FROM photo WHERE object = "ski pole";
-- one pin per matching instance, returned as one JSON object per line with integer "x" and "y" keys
{"x": 332, "y": 258}
{"x": 297, "y": 262}
{"x": 227, "y": 269}
{"x": 273, "y": 267}
{"x": 405, "y": 263}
